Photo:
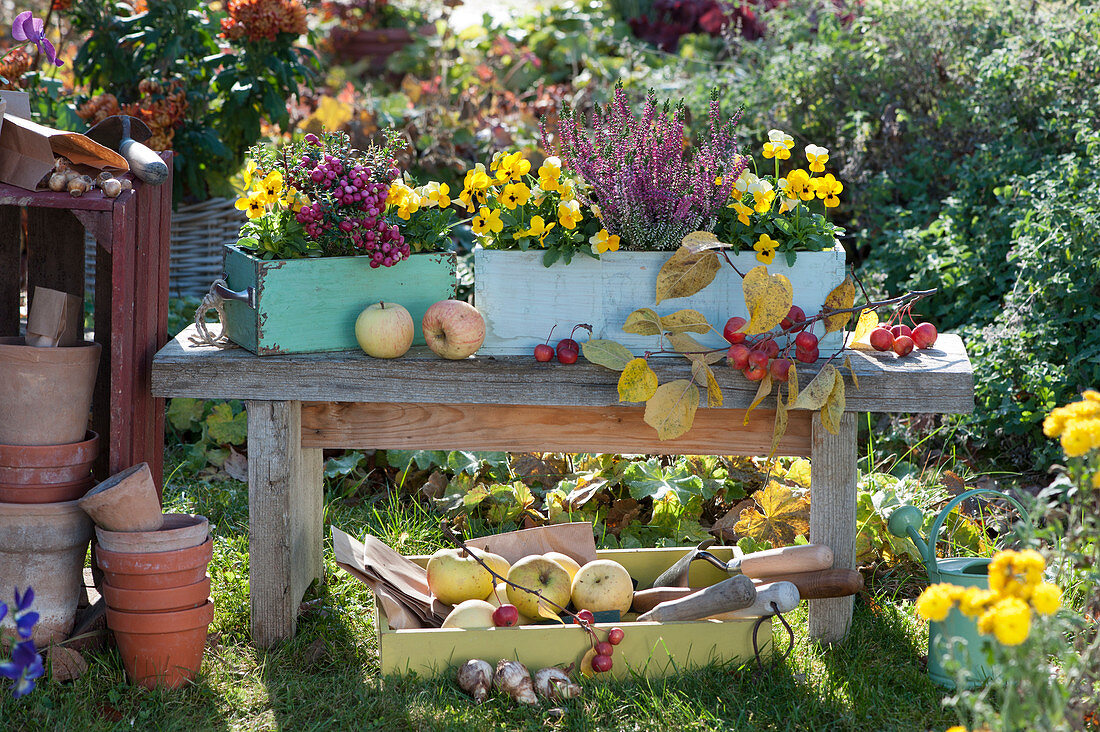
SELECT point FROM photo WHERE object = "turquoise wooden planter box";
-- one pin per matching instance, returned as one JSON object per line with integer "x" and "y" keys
{"x": 310, "y": 305}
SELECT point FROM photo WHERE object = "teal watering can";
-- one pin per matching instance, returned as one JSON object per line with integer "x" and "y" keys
{"x": 955, "y": 640}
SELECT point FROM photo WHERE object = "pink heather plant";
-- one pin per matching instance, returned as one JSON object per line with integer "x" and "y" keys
{"x": 650, "y": 188}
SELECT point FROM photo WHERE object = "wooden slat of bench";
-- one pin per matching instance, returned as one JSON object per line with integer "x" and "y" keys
{"x": 938, "y": 380}
{"x": 541, "y": 429}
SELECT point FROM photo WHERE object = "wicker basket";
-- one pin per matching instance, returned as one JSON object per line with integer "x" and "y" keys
{"x": 198, "y": 232}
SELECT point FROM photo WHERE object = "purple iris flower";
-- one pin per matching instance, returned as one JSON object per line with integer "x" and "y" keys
{"x": 30, "y": 29}
{"x": 25, "y": 666}
{"x": 24, "y": 618}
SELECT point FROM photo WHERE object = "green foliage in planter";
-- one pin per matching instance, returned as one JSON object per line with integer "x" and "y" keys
{"x": 231, "y": 87}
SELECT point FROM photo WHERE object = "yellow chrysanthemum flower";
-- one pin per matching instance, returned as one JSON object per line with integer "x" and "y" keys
{"x": 487, "y": 222}
{"x": 817, "y": 157}
{"x": 515, "y": 194}
{"x": 935, "y": 602}
{"x": 1046, "y": 598}
{"x": 1012, "y": 621}
{"x": 975, "y": 601}
{"x": 569, "y": 214}
{"x": 765, "y": 249}
{"x": 603, "y": 241}
{"x": 956, "y": 728}
{"x": 254, "y": 204}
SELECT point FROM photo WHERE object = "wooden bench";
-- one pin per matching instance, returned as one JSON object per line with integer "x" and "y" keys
{"x": 298, "y": 405}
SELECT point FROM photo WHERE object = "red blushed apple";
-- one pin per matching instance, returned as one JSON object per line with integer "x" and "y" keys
{"x": 453, "y": 329}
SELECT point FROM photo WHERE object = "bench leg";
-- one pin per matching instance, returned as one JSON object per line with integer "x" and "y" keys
{"x": 284, "y": 518}
{"x": 833, "y": 517}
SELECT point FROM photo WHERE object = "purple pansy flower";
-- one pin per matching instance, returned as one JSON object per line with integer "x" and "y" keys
{"x": 30, "y": 29}
{"x": 25, "y": 666}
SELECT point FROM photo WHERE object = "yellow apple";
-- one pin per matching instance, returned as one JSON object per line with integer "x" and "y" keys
{"x": 542, "y": 575}
{"x": 454, "y": 576}
{"x": 601, "y": 585}
{"x": 568, "y": 563}
{"x": 384, "y": 330}
{"x": 470, "y": 614}
{"x": 496, "y": 562}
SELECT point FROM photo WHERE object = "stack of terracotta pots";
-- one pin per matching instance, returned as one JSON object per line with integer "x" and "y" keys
{"x": 155, "y": 582}
{"x": 46, "y": 457}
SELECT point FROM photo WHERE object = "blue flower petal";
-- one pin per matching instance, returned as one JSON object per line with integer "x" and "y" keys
{"x": 35, "y": 670}
{"x": 3, "y": 610}
{"x": 24, "y": 602}
{"x": 10, "y": 670}
{"x": 24, "y": 654}
{"x": 25, "y": 624}
{"x": 23, "y": 687}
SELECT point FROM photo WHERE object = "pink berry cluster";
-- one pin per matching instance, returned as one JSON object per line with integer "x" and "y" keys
{"x": 347, "y": 213}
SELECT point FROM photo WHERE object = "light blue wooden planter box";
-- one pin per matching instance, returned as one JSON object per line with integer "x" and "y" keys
{"x": 310, "y": 305}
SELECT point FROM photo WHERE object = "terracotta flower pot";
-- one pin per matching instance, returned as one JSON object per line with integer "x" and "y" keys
{"x": 43, "y": 546}
{"x": 179, "y": 531}
{"x": 170, "y": 599}
{"x": 47, "y": 473}
{"x": 125, "y": 502}
{"x": 45, "y": 393}
{"x": 161, "y": 649}
{"x": 155, "y": 570}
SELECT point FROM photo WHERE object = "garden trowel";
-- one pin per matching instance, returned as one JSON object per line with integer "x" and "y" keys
{"x": 126, "y": 134}
{"x": 784, "y": 560}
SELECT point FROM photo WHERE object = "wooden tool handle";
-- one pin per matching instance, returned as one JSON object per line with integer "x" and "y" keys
{"x": 784, "y": 560}
{"x": 726, "y": 596}
{"x": 821, "y": 584}
{"x": 144, "y": 163}
{"x": 784, "y": 595}
{"x": 646, "y": 600}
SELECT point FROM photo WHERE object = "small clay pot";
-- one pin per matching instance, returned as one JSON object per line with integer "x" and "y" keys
{"x": 47, "y": 473}
{"x": 161, "y": 649}
{"x": 45, "y": 393}
{"x": 167, "y": 600}
{"x": 125, "y": 502}
{"x": 155, "y": 570}
{"x": 179, "y": 531}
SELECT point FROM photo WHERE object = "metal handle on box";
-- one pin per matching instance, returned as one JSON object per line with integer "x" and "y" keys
{"x": 247, "y": 295}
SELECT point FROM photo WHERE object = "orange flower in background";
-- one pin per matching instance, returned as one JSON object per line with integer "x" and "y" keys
{"x": 258, "y": 20}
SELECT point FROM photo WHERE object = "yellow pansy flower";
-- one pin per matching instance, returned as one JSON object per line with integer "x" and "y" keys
{"x": 779, "y": 145}
{"x": 439, "y": 194}
{"x": 409, "y": 205}
{"x": 538, "y": 228}
{"x": 550, "y": 174}
{"x": 569, "y": 214}
{"x": 743, "y": 212}
{"x": 603, "y": 241}
{"x": 487, "y": 221}
{"x": 765, "y": 249}
{"x": 272, "y": 186}
{"x": 565, "y": 190}
{"x": 253, "y": 204}
{"x": 294, "y": 200}
{"x": 741, "y": 185}
{"x": 817, "y": 157}
{"x": 762, "y": 195}
{"x": 828, "y": 189}
{"x": 797, "y": 185}
{"x": 779, "y": 137}
{"x": 248, "y": 173}
{"x": 512, "y": 167}
{"x": 515, "y": 194}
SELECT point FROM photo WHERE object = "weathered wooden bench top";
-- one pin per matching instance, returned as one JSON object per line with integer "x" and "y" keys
{"x": 300, "y": 404}
{"x": 937, "y": 380}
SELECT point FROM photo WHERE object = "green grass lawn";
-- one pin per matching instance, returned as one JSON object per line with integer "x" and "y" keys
{"x": 327, "y": 676}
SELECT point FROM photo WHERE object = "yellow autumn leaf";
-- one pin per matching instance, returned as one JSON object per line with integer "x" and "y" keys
{"x": 637, "y": 383}
{"x": 643, "y": 321}
{"x": 671, "y": 409}
{"x": 609, "y": 354}
{"x": 702, "y": 374}
{"x": 546, "y": 610}
{"x": 779, "y": 515}
{"x": 332, "y": 114}
{"x": 815, "y": 394}
{"x": 762, "y": 391}
{"x": 768, "y": 298}
{"x": 852, "y": 371}
{"x": 867, "y": 322}
{"x": 686, "y": 273}
{"x": 780, "y": 426}
{"x": 685, "y": 321}
{"x": 700, "y": 241}
{"x": 799, "y": 472}
{"x": 841, "y": 298}
{"x": 833, "y": 408}
{"x": 792, "y": 384}
{"x": 685, "y": 344}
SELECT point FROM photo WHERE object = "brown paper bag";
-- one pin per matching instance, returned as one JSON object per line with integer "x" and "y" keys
{"x": 27, "y": 149}
{"x": 55, "y": 319}
{"x": 575, "y": 540}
